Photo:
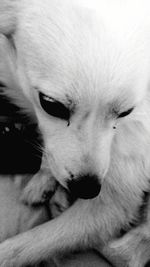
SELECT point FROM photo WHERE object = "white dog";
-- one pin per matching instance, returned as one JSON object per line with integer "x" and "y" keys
{"x": 84, "y": 68}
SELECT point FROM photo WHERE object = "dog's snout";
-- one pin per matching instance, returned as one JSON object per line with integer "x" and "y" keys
{"x": 85, "y": 187}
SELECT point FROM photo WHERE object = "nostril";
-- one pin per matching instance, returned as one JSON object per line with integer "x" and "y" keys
{"x": 85, "y": 187}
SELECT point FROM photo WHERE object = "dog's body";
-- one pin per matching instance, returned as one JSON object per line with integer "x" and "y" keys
{"x": 84, "y": 66}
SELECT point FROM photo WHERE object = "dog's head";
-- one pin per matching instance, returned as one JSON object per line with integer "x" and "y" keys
{"x": 84, "y": 67}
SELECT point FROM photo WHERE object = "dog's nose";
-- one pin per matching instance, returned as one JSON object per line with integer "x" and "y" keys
{"x": 85, "y": 187}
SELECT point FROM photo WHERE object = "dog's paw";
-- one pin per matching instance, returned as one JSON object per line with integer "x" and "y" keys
{"x": 133, "y": 248}
{"x": 122, "y": 245}
{"x": 39, "y": 190}
{"x": 59, "y": 202}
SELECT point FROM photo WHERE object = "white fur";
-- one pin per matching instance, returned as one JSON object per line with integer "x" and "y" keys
{"x": 94, "y": 54}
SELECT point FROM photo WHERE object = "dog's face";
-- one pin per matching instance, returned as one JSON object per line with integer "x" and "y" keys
{"x": 87, "y": 79}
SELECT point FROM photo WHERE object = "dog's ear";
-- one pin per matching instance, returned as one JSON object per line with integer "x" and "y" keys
{"x": 8, "y": 16}
{"x": 9, "y": 82}
{"x": 8, "y": 20}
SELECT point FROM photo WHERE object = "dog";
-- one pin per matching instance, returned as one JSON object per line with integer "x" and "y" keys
{"x": 83, "y": 67}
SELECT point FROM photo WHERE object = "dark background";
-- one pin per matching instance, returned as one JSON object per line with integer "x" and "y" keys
{"x": 20, "y": 141}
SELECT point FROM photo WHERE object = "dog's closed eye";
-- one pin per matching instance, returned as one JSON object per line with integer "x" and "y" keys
{"x": 125, "y": 113}
{"x": 54, "y": 107}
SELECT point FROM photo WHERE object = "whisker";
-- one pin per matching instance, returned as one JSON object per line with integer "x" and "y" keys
{"x": 35, "y": 145}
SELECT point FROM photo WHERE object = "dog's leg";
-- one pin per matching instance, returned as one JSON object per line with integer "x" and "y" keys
{"x": 41, "y": 187}
{"x": 68, "y": 231}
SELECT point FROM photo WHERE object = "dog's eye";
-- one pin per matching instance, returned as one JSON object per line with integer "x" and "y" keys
{"x": 125, "y": 113}
{"x": 54, "y": 107}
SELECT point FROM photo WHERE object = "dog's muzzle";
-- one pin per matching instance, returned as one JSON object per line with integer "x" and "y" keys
{"x": 85, "y": 187}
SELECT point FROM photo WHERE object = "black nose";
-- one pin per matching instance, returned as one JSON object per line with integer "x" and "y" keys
{"x": 85, "y": 187}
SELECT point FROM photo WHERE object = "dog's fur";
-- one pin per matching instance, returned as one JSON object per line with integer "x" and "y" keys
{"x": 93, "y": 55}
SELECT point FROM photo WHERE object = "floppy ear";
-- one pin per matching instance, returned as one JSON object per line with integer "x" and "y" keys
{"x": 8, "y": 22}
{"x": 8, "y": 16}
{"x": 9, "y": 82}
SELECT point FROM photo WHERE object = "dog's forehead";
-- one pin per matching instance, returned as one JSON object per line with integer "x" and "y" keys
{"x": 71, "y": 49}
